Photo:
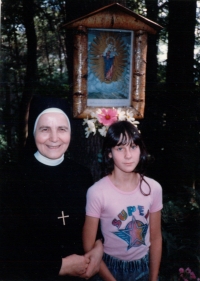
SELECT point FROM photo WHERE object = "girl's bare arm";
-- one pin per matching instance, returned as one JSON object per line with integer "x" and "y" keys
{"x": 89, "y": 237}
{"x": 156, "y": 245}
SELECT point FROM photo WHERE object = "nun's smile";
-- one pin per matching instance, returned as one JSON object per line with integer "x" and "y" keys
{"x": 52, "y": 135}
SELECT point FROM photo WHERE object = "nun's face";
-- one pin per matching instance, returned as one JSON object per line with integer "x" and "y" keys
{"x": 52, "y": 135}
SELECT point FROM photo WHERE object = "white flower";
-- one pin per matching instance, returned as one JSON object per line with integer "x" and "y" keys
{"x": 103, "y": 130}
{"x": 134, "y": 122}
{"x": 85, "y": 121}
{"x": 130, "y": 118}
{"x": 98, "y": 111}
{"x": 121, "y": 114}
{"x": 91, "y": 127}
{"x": 94, "y": 115}
{"x": 129, "y": 114}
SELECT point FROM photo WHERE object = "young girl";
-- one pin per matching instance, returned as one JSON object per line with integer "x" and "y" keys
{"x": 128, "y": 205}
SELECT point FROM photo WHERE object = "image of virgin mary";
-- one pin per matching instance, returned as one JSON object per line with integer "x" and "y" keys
{"x": 108, "y": 66}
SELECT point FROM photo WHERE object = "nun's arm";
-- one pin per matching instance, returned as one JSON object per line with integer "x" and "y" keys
{"x": 74, "y": 265}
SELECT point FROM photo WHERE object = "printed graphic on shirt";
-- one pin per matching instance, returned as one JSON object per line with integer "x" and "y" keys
{"x": 135, "y": 231}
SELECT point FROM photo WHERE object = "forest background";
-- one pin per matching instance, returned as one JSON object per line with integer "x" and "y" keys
{"x": 36, "y": 58}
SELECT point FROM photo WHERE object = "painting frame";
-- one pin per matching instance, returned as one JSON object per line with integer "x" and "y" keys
{"x": 81, "y": 108}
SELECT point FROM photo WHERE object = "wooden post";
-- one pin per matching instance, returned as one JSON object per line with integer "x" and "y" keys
{"x": 139, "y": 69}
{"x": 80, "y": 71}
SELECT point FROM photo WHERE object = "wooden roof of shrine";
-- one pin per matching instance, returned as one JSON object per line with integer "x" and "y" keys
{"x": 115, "y": 16}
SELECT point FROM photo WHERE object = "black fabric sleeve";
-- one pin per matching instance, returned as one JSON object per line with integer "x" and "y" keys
{"x": 19, "y": 258}
{"x": 29, "y": 250}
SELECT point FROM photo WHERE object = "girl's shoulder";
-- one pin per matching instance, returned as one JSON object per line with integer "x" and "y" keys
{"x": 154, "y": 185}
{"x": 100, "y": 184}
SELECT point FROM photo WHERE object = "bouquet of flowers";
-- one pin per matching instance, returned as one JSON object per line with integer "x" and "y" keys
{"x": 187, "y": 275}
{"x": 103, "y": 118}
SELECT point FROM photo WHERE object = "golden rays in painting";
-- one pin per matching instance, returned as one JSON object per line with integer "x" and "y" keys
{"x": 108, "y": 57}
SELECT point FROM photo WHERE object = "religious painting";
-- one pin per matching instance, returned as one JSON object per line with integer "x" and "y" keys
{"x": 110, "y": 55}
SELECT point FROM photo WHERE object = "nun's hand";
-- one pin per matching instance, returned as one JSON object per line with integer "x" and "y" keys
{"x": 95, "y": 256}
{"x": 74, "y": 265}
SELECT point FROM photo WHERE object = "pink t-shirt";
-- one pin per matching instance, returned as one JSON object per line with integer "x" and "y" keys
{"x": 124, "y": 216}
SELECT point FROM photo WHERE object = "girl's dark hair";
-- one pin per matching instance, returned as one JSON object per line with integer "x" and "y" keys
{"x": 122, "y": 133}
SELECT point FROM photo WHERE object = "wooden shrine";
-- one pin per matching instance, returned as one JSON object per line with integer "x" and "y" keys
{"x": 110, "y": 47}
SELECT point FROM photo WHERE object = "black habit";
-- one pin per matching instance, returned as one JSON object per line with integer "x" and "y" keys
{"x": 33, "y": 237}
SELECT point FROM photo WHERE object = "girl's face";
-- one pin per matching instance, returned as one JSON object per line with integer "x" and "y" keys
{"x": 126, "y": 157}
{"x": 52, "y": 135}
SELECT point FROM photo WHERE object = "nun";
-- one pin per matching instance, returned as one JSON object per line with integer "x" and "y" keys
{"x": 43, "y": 204}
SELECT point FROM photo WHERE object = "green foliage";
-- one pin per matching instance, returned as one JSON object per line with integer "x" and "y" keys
{"x": 162, "y": 73}
{"x": 137, "y": 6}
{"x": 181, "y": 232}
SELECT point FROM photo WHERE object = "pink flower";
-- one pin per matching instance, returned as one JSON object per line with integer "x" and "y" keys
{"x": 188, "y": 270}
{"x": 192, "y": 275}
{"x": 107, "y": 116}
{"x": 181, "y": 270}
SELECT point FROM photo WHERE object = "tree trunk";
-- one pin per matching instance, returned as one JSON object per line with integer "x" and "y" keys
{"x": 180, "y": 97}
{"x": 152, "y": 51}
{"x": 31, "y": 70}
{"x": 182, "y": 19}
